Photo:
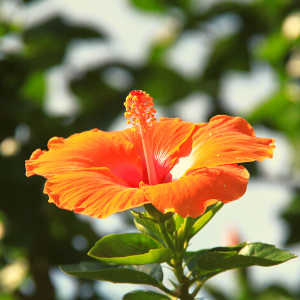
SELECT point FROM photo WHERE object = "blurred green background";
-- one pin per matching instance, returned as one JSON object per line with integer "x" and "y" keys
{"x": 67, "y": 66}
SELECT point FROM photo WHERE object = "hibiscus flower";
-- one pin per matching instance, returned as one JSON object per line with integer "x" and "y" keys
{"x": 176, "y": 166}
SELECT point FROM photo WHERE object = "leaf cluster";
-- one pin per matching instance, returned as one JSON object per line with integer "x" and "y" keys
{"x": 136, "y": 257}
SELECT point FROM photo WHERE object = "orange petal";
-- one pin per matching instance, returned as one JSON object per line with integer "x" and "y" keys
{"x": 170, "y": 119}
{"x": 190, "y": 195}
{"x": 166, "y": 137}
{"x": 95, "y": 192}
{"x": 88, "y": 149}
{"x": 224, "y": 140}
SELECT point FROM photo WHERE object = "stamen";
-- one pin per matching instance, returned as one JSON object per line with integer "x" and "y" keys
{"x": 140, "y": 113}
{"x": 139, "y": 110}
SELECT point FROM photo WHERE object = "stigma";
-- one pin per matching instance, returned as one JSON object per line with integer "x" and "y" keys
{"x": 139, "y": 110}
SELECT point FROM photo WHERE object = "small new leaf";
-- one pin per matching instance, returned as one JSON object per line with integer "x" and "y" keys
{"x": 146, "y": 226}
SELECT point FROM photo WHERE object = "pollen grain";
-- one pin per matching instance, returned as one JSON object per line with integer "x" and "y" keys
{"x": 139, "y": 110}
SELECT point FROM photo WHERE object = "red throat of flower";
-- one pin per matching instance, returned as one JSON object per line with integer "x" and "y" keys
{"x": 140, "y": 113}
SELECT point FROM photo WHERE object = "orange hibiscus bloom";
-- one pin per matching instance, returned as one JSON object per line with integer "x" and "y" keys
{"x": 176, "y": 166}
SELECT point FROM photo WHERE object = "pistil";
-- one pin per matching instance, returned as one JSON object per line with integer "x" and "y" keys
{"x": 140, "y": 113}
{"x": 149, "y": 158}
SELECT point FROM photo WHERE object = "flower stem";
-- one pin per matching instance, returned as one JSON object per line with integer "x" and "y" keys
{"x": 183, "y": 233}
{"x": 197, "y": 289}
{"x": 166, "y": 290}
{"x": 165, "y": 234}
{"x": 182, "y": 291}
{"x": 184, "y": 282}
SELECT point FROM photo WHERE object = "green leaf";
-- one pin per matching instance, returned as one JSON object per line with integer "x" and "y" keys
{"x": 275, "y": 292}
{"x": 274, "y": 48}
{"x": 209, "y": 262}
{"x": 272, "y": 109}
{"x": 205, "y": 218}
{"x": 191, "y": 259}
{"x": 145, "y": 295}
{"x": 148, "y": 274}
{"x": 178, "y": 221}
{"x": 4, "y": 29}
{"x": 130, "y": 249}
{"x": 34, "y": 87}
{"x": 218, "y": 294}
{"x": 46, "y": 44}
{"x": 152, "y": 5}
{"x": 147, "y": 226}
{"x": 159, "y": 82}
{"x": 188, "y": 227}
{"x": 292, "y": 217}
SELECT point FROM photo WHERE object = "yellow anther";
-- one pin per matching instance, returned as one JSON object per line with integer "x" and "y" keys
{"x": 139, "y": 110}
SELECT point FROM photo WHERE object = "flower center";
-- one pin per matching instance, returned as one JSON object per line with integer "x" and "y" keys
{"x": 140, "y": 113}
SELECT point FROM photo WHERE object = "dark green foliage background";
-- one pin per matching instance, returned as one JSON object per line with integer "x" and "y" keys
{"x": 40, "y": 232}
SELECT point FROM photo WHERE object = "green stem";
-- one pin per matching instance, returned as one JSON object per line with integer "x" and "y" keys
{"x": 178, "y": 270}
{"x": 184, "y": 282}
{"x": 167, "y": 291}
{"x": 197, "y": 289}
{"x": 165, "y": 234}
{"x": 182, "y": 291}
{"x": 184, "y": 232}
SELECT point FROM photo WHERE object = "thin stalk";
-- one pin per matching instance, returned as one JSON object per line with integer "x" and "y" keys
{"x": 182, "y": 240}
{"x": 197, "y": 289}
{"x": 167, "y": 291}
{"x": 165, "y": 234}
{"x": 189, "y": 274}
